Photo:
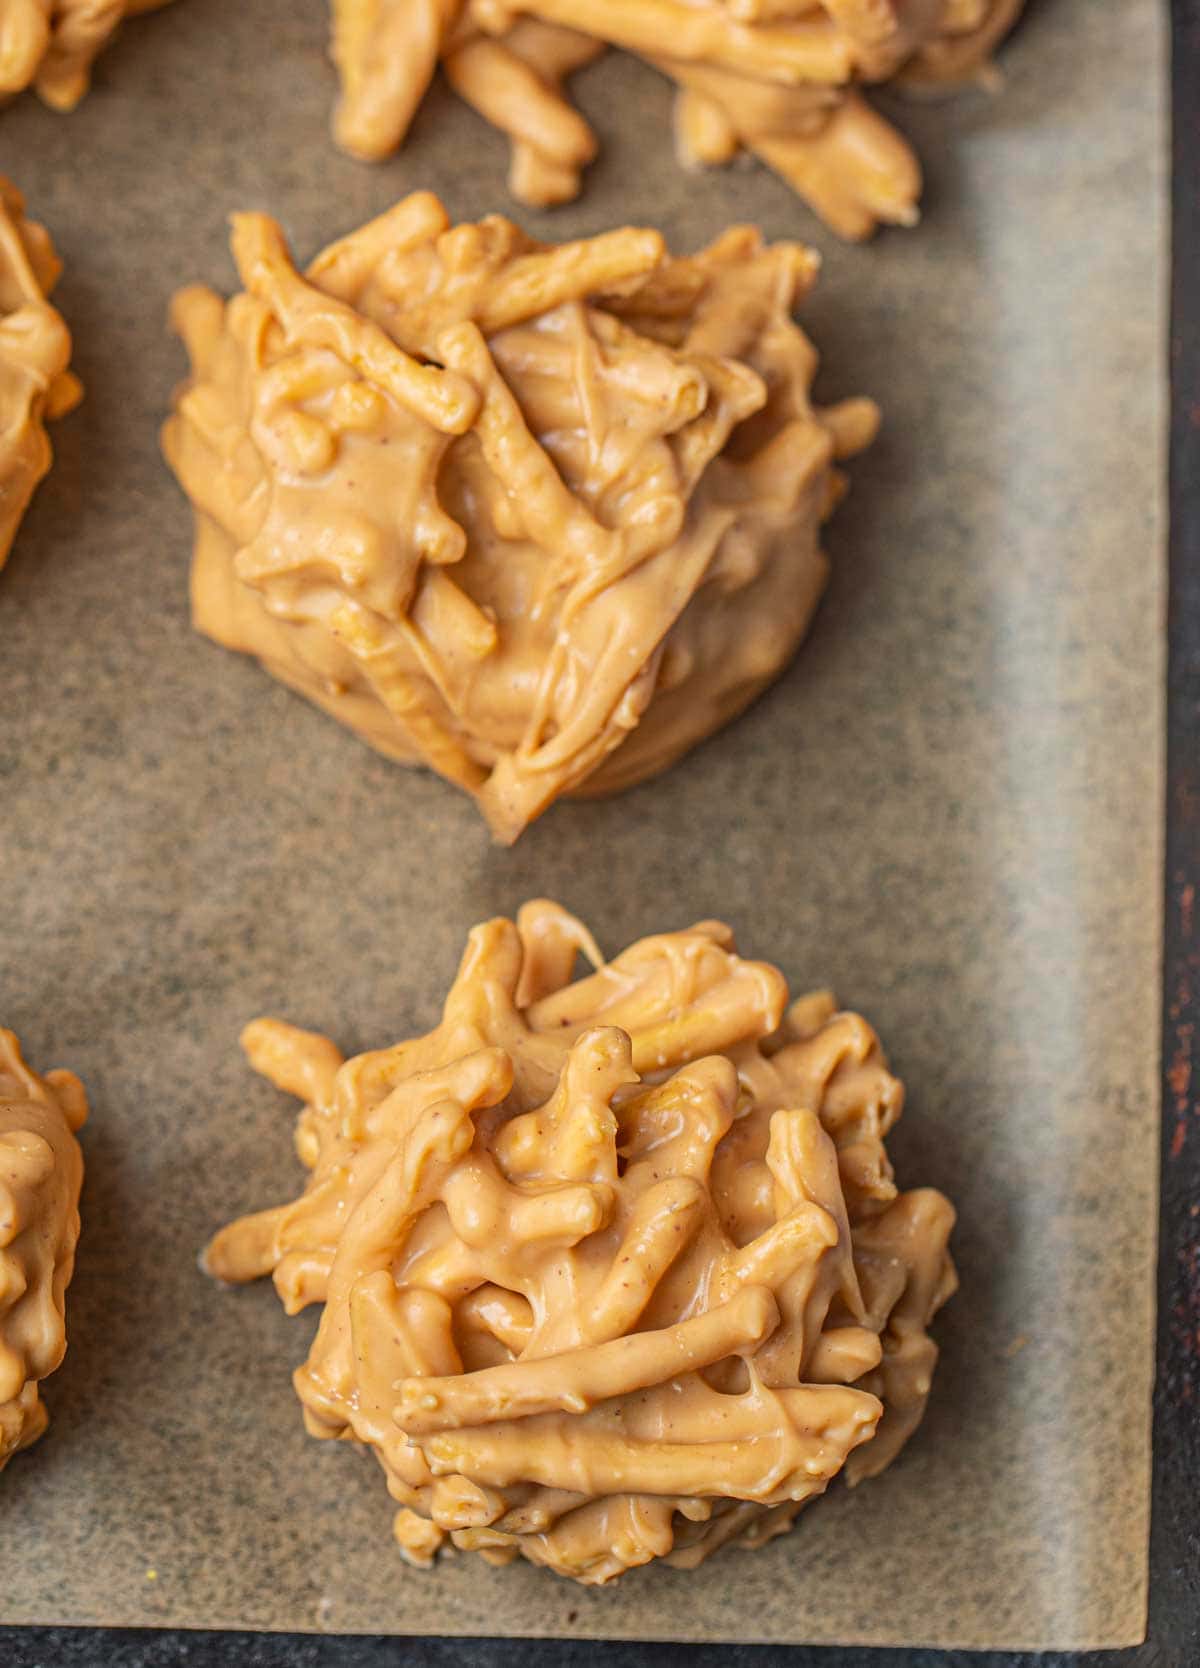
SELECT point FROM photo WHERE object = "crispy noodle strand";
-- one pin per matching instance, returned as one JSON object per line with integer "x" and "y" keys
{"x": 51, "y": 45}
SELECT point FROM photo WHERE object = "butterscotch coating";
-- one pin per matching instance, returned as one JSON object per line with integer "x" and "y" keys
{"x": 51, "y": 45}
{"x": 778, "y": 79}
{"x": 41, "y": 1171}
{"x": 35, "y": 347}
{"x": 538, "y": 517}
{"x": 611, "y": 1268}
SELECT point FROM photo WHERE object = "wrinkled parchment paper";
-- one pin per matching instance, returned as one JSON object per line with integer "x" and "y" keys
{"x": 949, "y": 810}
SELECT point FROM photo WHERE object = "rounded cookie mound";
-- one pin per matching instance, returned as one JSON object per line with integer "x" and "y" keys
{"x": 612, "y": 1268}
{"x": 537, "y": 517}
{"x": 41, "y": 1172}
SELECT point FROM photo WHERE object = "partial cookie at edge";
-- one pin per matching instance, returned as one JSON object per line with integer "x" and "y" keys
{"x": 41, "y": 1173}
{"x": 35, "y": 348}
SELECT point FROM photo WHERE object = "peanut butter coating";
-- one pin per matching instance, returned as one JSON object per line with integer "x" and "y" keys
{"x": 537, "y": 517}
{"x": 41, "y": 1171}
{"x": 778, "y": 79}
{"x": 613, "y": 1268}
{"x": 35, "y": 346}
{"x": 51, "y": 45}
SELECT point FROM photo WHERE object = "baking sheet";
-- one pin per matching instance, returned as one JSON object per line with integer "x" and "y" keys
{"x": 949, "y": 810}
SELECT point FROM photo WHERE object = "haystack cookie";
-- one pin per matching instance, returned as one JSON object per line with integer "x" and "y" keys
{"x": 778, "y": 79}
{"x": 613, "y": 1268}
{"x": 35, "y": 346}
{"x": 41, "y": 1172}
{"x": 50, "y": 45}
{"x": 539, "y": 517}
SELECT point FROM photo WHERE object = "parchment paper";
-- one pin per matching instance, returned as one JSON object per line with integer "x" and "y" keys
{"x": 949, "y": 810}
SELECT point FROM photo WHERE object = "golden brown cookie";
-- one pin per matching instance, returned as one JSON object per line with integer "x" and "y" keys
{"x": 778, "y": 79}
{"x": 35, "y": 347}
{"x": 611, "y": 1268}
{"x": 41, "y": 1172}
{"x": 539, "y": 517}
{"x": 50, "y": 45}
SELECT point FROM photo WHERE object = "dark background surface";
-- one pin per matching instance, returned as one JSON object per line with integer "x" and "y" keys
{"x": 1174, "y": 1633}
